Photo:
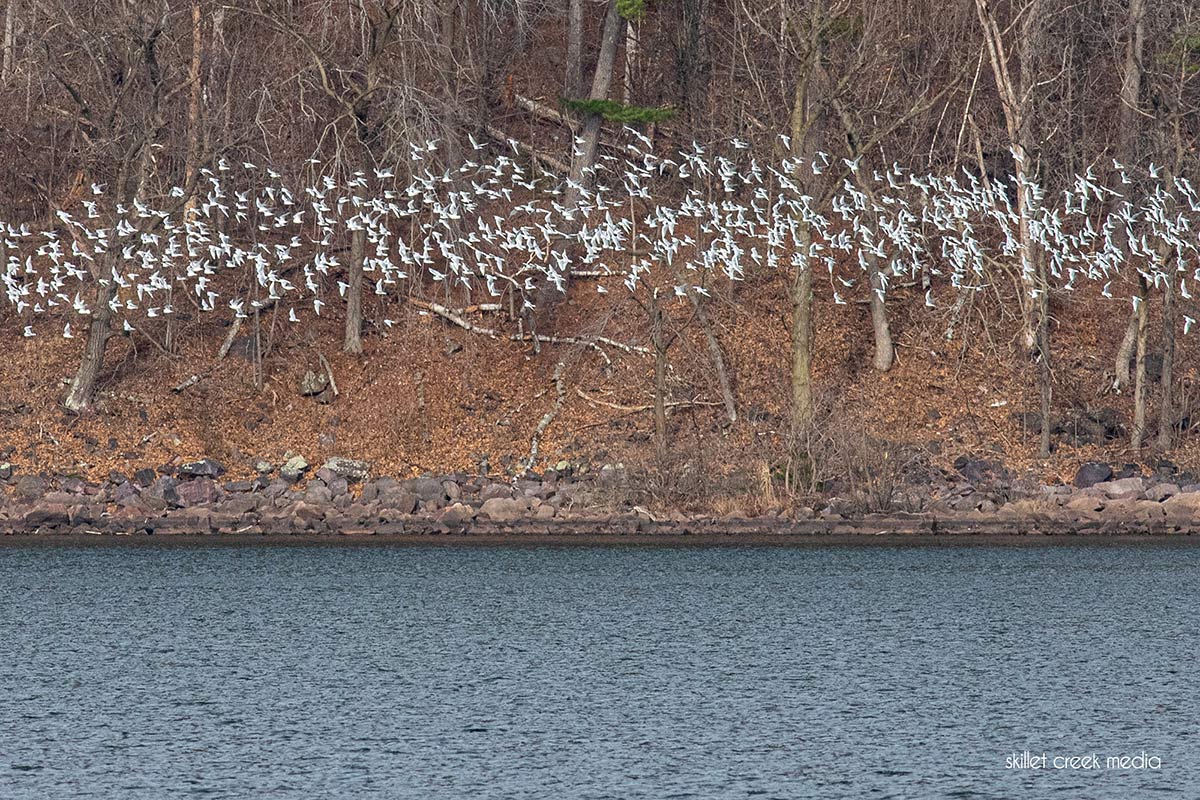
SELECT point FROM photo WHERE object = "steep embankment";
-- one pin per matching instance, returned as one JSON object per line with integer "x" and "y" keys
{"x": 427, "y": 396}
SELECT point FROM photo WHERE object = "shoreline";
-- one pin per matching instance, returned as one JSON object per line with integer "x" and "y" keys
{"x": 341, "y": 502}
{"x": 633, "y": 541}
{"x": 625, "y": 531}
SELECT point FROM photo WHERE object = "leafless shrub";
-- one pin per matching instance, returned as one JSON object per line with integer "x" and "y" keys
{"x": 833, "y": 456}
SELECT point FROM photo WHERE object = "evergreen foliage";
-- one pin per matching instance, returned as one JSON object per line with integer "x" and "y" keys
{"x": 613, "y": 111}
{"x": 631, "y": 9}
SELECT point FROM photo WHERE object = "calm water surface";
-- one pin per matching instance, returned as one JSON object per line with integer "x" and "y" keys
{"x": 510, "y": 672}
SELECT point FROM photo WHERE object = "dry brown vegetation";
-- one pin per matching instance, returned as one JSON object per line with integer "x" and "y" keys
{"x": 354, "y": 84}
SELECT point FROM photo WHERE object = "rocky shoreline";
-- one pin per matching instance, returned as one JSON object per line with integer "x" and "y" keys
{"x": 342, "y": 499}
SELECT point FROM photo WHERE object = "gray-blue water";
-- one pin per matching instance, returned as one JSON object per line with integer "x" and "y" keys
{"x": 510, "y": 672}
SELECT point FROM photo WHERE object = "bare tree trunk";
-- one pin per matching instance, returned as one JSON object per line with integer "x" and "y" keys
{"x": 584, "y": 149}
{"x": 802, "y": 125}
{"x": 718, "y": 358}
{"x": 82, "y": 390}
{"x": 1131, "y": 82}
{"x": 1125, "y": 352}
{"x": 448, "y": 26}
{"x": 354, "y": 317}
{"x": 1043, "y": 352}
{"x": 1166, "y": 413}
{"x": 583, "y": 158}
{"x": 1016, "y": 100}
{"x": 660, "y": 377}
{"x": 691, "y": 59}
{"x": 1131, "y": 91}
{"x": 573, "y": 80}
{"x": 801, "y": 291}
{"x": 1139, "y": 380}
{"x": 193, "y": 109}
{"x": 9, "y": 43}
{"x": 885, "y": 350}
{"x": 131, "y": 184}
{"x": 631, "y": 57}
{"x": 192, "y": 152}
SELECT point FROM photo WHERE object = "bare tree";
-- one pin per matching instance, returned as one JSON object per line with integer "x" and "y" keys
{"x": 8, "y": 45}
{"x": 573, "y": 80}
{"x": 1129, "y": 124}
{"x": 583, "y": 157}
{"x": 120, "y": 115}
{"x": 1018, "y": 102}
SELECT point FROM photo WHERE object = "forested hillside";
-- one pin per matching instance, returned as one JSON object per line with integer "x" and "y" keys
{"x": 746, "y": 249}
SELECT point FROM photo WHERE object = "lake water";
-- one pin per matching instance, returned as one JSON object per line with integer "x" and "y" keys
{"x": 625, "y": 672}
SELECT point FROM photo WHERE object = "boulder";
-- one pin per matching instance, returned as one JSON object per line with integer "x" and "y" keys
{"x": 29, "y": 487}
{"x": 504, "y": 509}
{"x": 398, "y": 499}
{"x": 457, "y": 514}
{"x": 162, "y": 494}
{"x": 304, "y": 517}
{"x": 425, "y": 488}
{"x": 184, "y": 521}
{"x": 1091, "y": 473}
{"x": 372, "y": 489}
{"x": 199, "y": 492}
{"x": 46, "y": 515}
{"x": 527, "y": 487}
{"x": 317, "y": 494}
{"x": 64, "y": 498}
{"x": 977, "y": 470}
{"x": 1123, "y": 488}
{"x": 89, "y": 514}
{"x": 204, "y": 468}
{"x": 6, "y": 471}
{"x": 294, "y": 469}
{"x": 224, "y": 521}
{"x": 1084, "y": 504}
{"x": 123, "y": 493}
{"x": 1148, "y": 510}
{"x": 239, "y": 505}
{"x": 1161, "y": 491}
{"x": 353, "y": 471}
{"x": 495, "y": 490}
{"x": 1124, "y": 509}
{"x": 1183, "y": 506}
{"x": 144, "y": 477}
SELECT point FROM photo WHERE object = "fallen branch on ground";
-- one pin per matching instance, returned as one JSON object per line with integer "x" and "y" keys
{"x": 192, "y": 381}
{"x": 540, "y": 110}
{"x": 549, "y": 416}
{"x": 229, "y": 337}
{"x": 634, "y": 409}
{"x": 545, "y": 158}
{"x": 328, "y": 372}
{"x": 455, "y": 316}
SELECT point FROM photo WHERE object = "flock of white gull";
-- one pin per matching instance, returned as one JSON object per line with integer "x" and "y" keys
{"x": 495, "y": 224}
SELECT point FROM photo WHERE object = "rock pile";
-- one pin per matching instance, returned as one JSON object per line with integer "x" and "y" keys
{"x": 343, "y": 497}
